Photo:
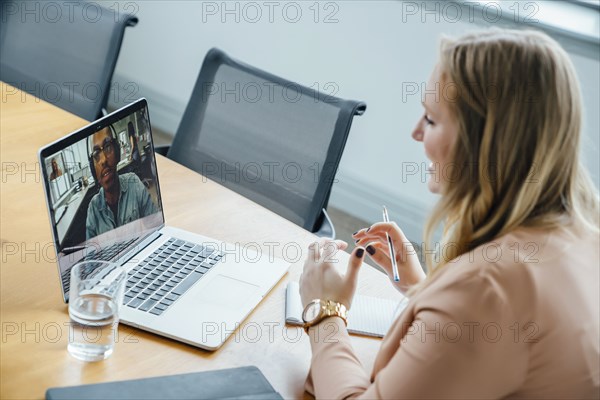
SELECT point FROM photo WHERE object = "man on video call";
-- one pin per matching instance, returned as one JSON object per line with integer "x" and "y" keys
{"x": 122, "y": 198}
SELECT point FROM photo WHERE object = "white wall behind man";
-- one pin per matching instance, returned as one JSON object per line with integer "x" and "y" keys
{"x": 374, "y": 51}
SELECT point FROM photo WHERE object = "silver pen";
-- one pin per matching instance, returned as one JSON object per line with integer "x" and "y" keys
{"x": 386, "y": 218}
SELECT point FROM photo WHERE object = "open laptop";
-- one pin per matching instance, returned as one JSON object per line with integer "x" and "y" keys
{"x": 104, "y": 202}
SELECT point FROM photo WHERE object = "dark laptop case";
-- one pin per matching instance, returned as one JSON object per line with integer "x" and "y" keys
{"x": 234, "y": 383}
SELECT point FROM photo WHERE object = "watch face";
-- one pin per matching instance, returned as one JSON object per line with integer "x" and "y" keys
{"x": 311, "y": 312}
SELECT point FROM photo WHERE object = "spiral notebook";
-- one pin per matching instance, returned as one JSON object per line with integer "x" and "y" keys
{"x": 369, "y": 316}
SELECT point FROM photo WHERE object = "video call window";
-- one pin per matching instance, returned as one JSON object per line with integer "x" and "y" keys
{"x": 103, "y": 182}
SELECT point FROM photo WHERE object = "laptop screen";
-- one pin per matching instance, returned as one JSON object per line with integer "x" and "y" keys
{"x": 102, "y": 188}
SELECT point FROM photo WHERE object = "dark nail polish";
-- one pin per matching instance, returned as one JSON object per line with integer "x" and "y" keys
{"x": 369, "y": 229}
{"x": 357, "y": 240}
{"x": 360, "y": 252}
{"x": 354, "y": 233}
{"x": 371, "y": 250}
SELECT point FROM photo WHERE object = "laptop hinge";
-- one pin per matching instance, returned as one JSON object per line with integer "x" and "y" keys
{"x": 138, "y": 247}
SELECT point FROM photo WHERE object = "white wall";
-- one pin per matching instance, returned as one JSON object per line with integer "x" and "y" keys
{"x": 374, "y": 52}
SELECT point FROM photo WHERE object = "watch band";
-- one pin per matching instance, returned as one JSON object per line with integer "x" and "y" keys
{"x": 329, "y": 308}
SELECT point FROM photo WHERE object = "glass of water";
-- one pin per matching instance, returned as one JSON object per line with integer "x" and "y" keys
{"x": 96, "y": 294}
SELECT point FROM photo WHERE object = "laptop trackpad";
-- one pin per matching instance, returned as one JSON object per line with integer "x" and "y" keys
{"x": 226, "y": 291}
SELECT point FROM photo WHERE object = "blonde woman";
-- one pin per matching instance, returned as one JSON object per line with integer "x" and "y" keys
{"x": 510, "y": 305}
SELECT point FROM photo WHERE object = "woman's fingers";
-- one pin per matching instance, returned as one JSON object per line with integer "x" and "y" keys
{"x": 401, "y": 243}
{"x": 371, "y": 238}
{"x": 329, "y": 250}
{"x": 391, "y": 228}
{"x": 323, "y": 250}
{"x": 381, "y": 228}
{"x": 378, "y": 253}
{"x": 314, "y": 252}
{"x": 356, "y": 259}
{"x": 360, "y": 232}
{"x": 379, "y": 232}
{"x": 341, "y": 244}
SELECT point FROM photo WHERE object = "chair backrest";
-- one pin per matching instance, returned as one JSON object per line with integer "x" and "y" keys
{"x": 267, "y": 138}
{"x": 62, "y": 52}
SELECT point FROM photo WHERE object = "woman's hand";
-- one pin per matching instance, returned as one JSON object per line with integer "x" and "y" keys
{"x": 376, "y": 244}
{"x": 321, "y": 280}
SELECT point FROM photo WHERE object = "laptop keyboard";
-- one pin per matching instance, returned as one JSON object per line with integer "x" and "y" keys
{"x": 104, "y": 254}
{"x": 166, "y": 274}
{"x": 107, "y": 253}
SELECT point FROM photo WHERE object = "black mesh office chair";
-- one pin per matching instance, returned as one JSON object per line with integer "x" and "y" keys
{"x": 62, "y": 53}
{"x": 274, "y": 141}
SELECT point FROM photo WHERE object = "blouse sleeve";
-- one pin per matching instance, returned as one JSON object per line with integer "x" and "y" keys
{"x": 462, "y": 342}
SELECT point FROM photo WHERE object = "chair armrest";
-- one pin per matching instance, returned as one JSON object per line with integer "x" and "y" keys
{"x": 326, "y": 230}
{"x": 162, "y": 150}
{"x": 131, "y": 21}
{"x": 359, "y": 108}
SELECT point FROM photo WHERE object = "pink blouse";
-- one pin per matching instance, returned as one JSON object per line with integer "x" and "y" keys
{"x": 514, "y": 318}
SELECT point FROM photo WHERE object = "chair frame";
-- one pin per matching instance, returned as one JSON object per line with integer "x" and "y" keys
{"x": 11, "y": 74}
{"x": 214, "y": 59}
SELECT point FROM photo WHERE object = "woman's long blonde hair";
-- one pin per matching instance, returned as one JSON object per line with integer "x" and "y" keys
{"x": 516, "y": 160}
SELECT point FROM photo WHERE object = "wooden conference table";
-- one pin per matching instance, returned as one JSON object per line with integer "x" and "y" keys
{"x": 34, "y": 335}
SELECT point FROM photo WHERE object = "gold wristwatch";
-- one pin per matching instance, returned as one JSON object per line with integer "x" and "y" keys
{"x": 317, "y": 310}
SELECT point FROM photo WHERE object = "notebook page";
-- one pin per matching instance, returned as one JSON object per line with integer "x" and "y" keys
{"x": 370, "y": 316}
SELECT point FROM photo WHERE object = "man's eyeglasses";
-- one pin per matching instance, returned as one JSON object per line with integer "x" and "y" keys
{"x": 108, "y": 148}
